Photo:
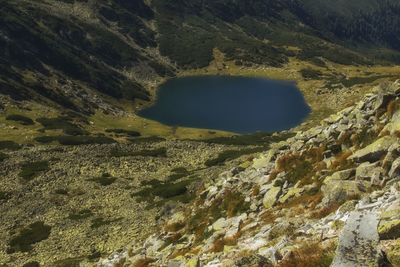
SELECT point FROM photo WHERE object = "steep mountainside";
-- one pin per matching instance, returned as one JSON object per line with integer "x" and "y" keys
{"x": 67, "y": 52}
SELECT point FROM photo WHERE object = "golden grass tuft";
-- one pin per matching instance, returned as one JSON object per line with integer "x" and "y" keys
{"x": 309, "y": 255}
{"x": 143, "y": 262}
{"x": 341, "y": 161}
{"x": 392, "y": 107}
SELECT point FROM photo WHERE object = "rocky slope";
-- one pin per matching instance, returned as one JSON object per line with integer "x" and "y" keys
{"x": 328, "y": 195}
{"x": 90, "y": 200}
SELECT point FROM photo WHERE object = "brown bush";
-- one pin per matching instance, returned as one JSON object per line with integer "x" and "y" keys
{"x": 143, "y": 262}
{"x": 341, "y": 161}
{"x": 309, "y": 255}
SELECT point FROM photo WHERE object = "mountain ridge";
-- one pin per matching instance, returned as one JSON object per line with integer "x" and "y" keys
{"x": 118, "y": 48}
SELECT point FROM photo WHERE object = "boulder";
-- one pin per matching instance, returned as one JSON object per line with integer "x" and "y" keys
{"x": 392, "y": 252}
{"x": 293, "y": 192}
{"x": 389, "y": 226}
{"x": 358, "y": 241}
{"x": 342, "y": 175}
{"x": 272, "y": 196}
{"x": 263, "y": 160}
{"x": 271, "y": 253}
{"x": 371, "y": 172}
{"x": 364, "y": 170}
{"x": 374, "y": 151}
{"x": 176, "y": 263}
{"x": 337, "y": 191}
{"x": 382, "y": 100}
{"x": 193, "y": 262}
{"x": 389, "y": 229}
{"x": 394, "y": 125}
{"x": 220, "y": 224}
{"x": 395, "y": 169}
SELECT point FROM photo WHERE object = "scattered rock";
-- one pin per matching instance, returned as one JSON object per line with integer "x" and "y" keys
{"x": 272, "y": 196}
{"x": 375, "y": 151}
{"x": 337, "y": 191}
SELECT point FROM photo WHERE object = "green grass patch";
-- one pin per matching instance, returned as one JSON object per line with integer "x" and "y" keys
{"x": 82, "y": 214}
{"x": 249, "y": 139}
{"x": 20, "y": 119}
{"x": 124, "y": 132}
{"x": 9, "y": 145}
{"x": 333, "y": 82}
{"x": 32, "y": 234}
{"x": 232, "y": 154}
{"x": 168, "y": 190}
{"x": 104, "y": 180}
{"x": 75, "y": 140}
{"x": 32, "y": 169}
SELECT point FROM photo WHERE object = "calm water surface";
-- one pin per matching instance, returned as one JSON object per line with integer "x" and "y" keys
{"x": 236, "y": 104}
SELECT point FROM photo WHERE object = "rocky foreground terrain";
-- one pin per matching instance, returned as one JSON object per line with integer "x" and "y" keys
{"x": 62, "y": 205}
{"x": 329, "y": 195}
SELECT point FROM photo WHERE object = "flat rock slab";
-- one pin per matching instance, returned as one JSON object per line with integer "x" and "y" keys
{"x": 358, "y": 242}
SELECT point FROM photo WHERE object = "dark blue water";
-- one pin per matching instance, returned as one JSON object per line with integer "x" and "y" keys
{"x": 236, "y": 104}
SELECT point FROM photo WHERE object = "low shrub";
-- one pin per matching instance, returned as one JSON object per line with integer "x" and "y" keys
{"x": 150, "y": 139}
{"x": 61, "y": 191}
{"x": 32, "y": 234}
{"x": 31, "y": 264}
{"x": 82, "y": 214}
{"x": 4, "y": 196}
{"x": 178, "y": 173}
{"x": 9, "y": 145}
{"x": 99, "y": 222}
{"x": 84, "y": 140}
{"x": 311, "y": 74}
{"x": 104, "y": 180}
{"x": 20, "y": 119}
{"x": 159, "y": 152}
{"x": 310, "y": 255}
{"x": 61, "y": 123}
{"x": 31, "y": 169}
{"x": 75, "y": 140}
{"x": 168, "y": 190}
{"x": 3, "y": 156}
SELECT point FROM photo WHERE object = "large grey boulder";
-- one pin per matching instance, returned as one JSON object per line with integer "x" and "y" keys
{"x": 358, "y": 241}
{"x": 374, "y": 151}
